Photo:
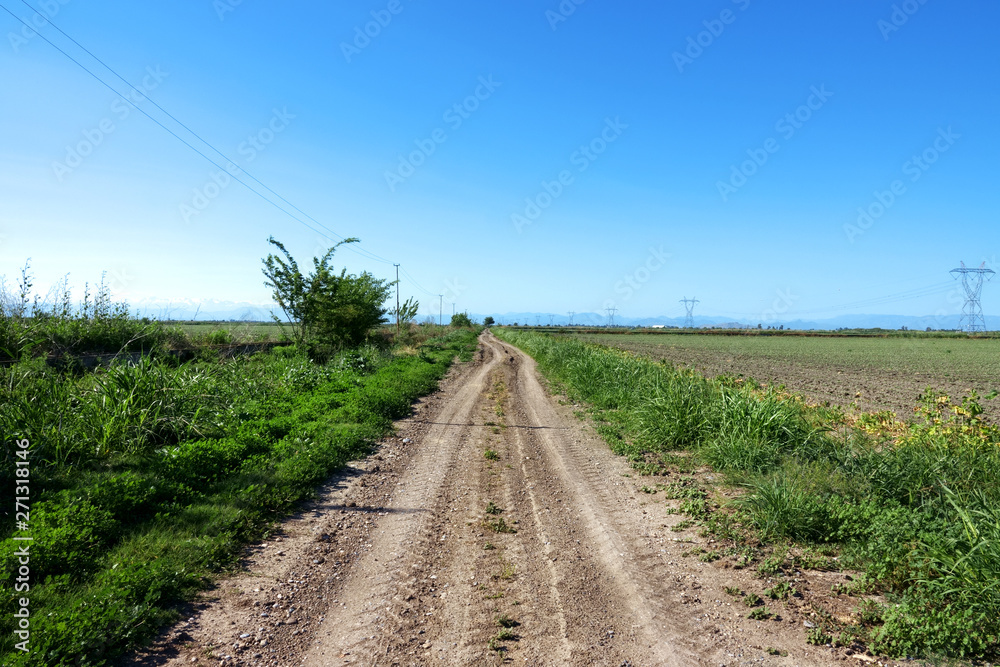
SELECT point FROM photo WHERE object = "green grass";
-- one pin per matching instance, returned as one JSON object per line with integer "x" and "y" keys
{"x": 147, "y": 478}
{"x": 915, "y": 506}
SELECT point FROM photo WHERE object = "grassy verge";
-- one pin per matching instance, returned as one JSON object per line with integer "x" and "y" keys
{"x": 915, "y": 506}
{"x": 147, "y": 478}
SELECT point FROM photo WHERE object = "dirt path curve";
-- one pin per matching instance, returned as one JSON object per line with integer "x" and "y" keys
{"x": 495, "y": 528}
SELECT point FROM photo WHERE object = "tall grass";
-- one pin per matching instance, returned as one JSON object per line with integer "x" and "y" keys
{"x": 918, "y": 509}
{"x": 148, "y": 476}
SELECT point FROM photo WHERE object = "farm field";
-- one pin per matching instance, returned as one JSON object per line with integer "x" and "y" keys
{"x": 238, "y": 331}
{"x": 875, "y": 373}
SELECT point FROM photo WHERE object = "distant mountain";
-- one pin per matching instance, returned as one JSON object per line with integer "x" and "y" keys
{"x": 187, "y": 309}
{"x": 209, "y": 309}
{"x": 946, "y": 322}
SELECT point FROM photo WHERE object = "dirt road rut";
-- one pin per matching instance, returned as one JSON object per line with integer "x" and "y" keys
{"x": 495, "y": 528}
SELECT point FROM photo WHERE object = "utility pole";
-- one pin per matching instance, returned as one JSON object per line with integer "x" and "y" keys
{"x": 689, "y": 306}
{"x": 972, "y": 314}
{"x": 397, "y": 299}
{"x": 453, "y": 309}
{"x": 441, "y": 310}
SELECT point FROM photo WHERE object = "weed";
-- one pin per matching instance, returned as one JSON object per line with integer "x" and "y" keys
{"x": 682, "y": 525}
{"x": 491, "y": 455}
{"x": 710, "y": 557}
{"x": 734, "y": 591}
{"x": 817, "y": 637}
{"x": 780, "y": 591}
{"x": 505, "y": 621}
{"x": 488, "y": 546}
{"x": 505, "y": 635}
{"x": 752, "y": 600}
{"x": 773, "y": 563}
{"x": 498, "y": 525}
{"x": 760, "y": 614}
{"x": 770, "y": 650}
{"x": 506, "y": 570}
{"x": 491, "y": 508}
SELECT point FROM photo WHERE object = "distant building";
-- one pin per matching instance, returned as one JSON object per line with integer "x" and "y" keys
{"x": 656, "y": 326}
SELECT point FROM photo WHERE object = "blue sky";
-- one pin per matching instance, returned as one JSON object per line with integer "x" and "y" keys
{"x": 530, "y": 156}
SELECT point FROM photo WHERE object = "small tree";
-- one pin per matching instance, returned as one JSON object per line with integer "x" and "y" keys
{"x": 461, "y": 320}
{"x": 489, "y": 321}
{"x": 326, "y": 310}
{"x": 407, "y": 311}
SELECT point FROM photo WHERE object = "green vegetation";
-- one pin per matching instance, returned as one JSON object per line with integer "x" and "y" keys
{"x": 916, "y": 506}
{"x": 147, "y": 476}
{"x": 56, "y": 327}
{"x": 461, "y": 320}
{"x": 326, "y": 311}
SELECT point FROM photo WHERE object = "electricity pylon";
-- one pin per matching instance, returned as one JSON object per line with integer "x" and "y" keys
{"x": 611, "y": 315}
{"x": 571, "y": 314}
{"x": 689, "y": 306}
{"x": 972, "y": 280}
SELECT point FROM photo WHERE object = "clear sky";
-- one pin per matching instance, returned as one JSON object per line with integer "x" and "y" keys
{"x": 515, "y": 156}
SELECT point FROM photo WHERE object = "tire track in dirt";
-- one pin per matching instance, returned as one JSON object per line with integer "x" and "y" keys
{"x": 500, "y": 530}
{"x": 371, "y": 592}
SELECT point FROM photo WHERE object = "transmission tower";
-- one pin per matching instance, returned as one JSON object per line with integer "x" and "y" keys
{"x": 611, "y": 315}
{"x": 972, "y": 280}
{"x": 571, "y": 314}
{"x": 689, "y": 306}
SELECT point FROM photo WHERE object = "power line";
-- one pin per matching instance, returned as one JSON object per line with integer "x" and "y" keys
{"x": 360, "y": 251}
{"x": 416, "y": 284}
{"x": 972, "y": 313}
{"x": 689, "y": 307}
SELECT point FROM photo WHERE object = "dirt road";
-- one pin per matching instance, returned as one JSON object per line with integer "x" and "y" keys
{"x": 496, "y": 527}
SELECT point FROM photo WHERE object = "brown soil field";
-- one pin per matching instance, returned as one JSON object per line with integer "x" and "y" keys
{"x": 496, "y": 527}
{"x": 892, "y": 380}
